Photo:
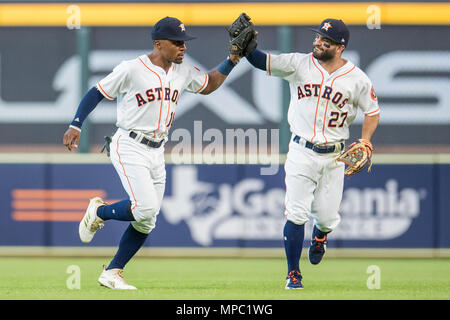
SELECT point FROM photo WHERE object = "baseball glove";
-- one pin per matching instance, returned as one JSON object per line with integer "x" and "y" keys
{"x": 242, "y": 36}
{"x": 106, "y": 146}
{"x": 357, "y": 157}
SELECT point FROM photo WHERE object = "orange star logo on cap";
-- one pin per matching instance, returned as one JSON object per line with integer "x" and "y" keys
{"x": 182, "y": 27}
{"x": 326, "y": 26}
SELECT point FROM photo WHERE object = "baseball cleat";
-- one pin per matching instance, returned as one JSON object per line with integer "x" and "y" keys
{"x": 317, "y": 249}
{"x": 294, "y": 280}
{"x": 91, "y": 222}
{"x": 113, "y": 279}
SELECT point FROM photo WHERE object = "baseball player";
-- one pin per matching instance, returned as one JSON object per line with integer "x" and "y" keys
{"x": 147, "y": 90}
{"x": 326, "y": 93}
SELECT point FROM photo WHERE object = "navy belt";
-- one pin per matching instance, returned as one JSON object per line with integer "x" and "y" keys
{"x": 146, "y": 141}
{"x": 317, "y": 148}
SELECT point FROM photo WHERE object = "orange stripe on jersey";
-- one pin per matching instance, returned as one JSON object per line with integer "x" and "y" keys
{"x": 168, "y": 111}
{"x": 372, "y": 112}
{"x": 162, "y": 98}
{"x": 318, "y": 98}
{"x": 124, "y": 172}
{"x": 268, "y": 64}
{"x": 204, "y": 84}
{"x": 326, "y": 107}
{"x": 104, "y": 92}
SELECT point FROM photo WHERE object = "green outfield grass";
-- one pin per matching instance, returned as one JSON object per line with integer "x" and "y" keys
{"x": 227, "y": 279}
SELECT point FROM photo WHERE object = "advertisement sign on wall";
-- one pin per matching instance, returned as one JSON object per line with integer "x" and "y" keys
{"x": 396, "y": 206}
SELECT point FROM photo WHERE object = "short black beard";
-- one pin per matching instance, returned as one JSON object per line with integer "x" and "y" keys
{"x": 324, "y": 56}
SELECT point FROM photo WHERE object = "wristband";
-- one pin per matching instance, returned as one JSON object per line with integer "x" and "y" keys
{"x": 226, "y": 66}
{"x": 75, "y": 127}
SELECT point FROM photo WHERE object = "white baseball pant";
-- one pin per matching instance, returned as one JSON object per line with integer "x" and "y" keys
{"x": 143, "y": 175}
{"x": 314, "y": 187}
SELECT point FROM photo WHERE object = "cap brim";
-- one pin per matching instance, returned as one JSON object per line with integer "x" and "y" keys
{"x": 325, "y": 35}
{"x": 182, "y": 38}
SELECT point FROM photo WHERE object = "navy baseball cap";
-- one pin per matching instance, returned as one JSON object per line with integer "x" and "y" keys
{"x": 170, "y": 29}
{"x": 335, "y": 30}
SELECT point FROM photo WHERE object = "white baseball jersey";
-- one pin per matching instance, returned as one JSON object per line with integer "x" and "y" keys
{"x": 147, "y": 96}
{"x": 323, "y": 105}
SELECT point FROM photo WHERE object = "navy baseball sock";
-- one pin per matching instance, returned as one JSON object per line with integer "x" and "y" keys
{"x": 293, "y": 244}
{"x": 131, "y": 241}
{"x": 117, "y": 211}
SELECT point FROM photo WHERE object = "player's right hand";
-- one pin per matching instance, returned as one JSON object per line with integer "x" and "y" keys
{"x": 71, "y": 138}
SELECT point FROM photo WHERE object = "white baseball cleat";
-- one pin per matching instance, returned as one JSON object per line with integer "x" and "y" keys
{"x": 91, "y": 222}
{"x": 113, "y": 279}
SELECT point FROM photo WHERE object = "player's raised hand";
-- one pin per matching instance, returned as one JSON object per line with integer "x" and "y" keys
{"x": 235, "y": 58}
{"x": 242, "y": 36}
{"x": 71, "y": 138}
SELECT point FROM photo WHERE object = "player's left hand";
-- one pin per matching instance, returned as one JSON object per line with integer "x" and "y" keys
{"x": 357, "y": 157}
{"x": 71, "y": 138}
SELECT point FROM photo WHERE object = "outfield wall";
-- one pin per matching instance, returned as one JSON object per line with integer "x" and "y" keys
{"x": 402, "y": 203}
{"x": 401, "y": 51}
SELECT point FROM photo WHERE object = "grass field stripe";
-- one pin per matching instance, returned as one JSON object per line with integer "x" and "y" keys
{"x": 268, "y": 13}
{"x": 44, "y": 277}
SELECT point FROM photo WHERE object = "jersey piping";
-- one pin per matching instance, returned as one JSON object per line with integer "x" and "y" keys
{"x": 204, "y": 84}
{"x": 162, "y": 100}
{"x": 104, "y": 92}
{"x": 168, "y": 111}
{"x": 318, "y": 98}
{"x": 372, "y": 112}
{"x": 328, "y": 101}
{"x": 124, "y": 172}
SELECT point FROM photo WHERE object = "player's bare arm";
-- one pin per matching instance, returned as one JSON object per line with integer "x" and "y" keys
{"x": 369, "y": 126}
{"x": 216, "y": 78}
{"x": 242, "y": 42}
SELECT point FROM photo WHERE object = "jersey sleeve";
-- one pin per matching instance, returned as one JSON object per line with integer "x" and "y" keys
{"x": 197, "y": 80}
{"x": 283, "y": 65}
{"x": 368, "y": 101}
{"x": 114, "y": 83}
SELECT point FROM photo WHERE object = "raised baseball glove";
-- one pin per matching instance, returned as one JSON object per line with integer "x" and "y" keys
{"x": 242, "y": 36}
{"x": 357, "y": 157}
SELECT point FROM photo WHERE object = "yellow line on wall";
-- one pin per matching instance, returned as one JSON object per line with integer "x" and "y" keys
{"x": 201, "y": 14}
